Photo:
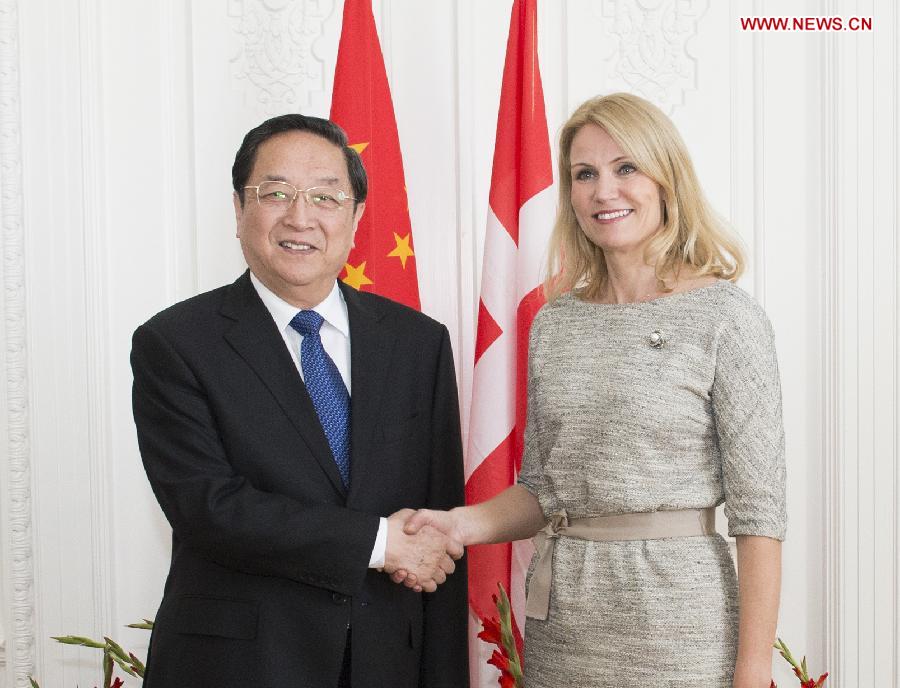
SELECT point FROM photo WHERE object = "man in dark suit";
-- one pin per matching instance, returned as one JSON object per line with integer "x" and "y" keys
{"x": 285, "y": 421}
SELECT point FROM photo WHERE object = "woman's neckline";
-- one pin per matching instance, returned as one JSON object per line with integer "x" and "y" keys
{"x": 664, "y": 298}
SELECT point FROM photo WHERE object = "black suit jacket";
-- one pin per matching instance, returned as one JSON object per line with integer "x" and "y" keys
{"x": 269, "y": 552}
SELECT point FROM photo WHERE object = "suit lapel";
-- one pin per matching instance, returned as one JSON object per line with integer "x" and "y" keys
{"x": 371, "y": 342}
{"x": 256, "y": 339}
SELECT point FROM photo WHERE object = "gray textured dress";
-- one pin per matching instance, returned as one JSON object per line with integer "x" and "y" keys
{"x": 617, "y": 426}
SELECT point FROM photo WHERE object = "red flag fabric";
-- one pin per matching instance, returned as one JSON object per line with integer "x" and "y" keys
{"x": 383, "y": 258}
{"x": 520, "y": 220}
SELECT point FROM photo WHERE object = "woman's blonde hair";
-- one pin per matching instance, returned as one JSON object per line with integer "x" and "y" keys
{"x": 691, "y": 233}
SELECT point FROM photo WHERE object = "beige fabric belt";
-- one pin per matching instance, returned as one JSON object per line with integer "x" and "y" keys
{"x": 651, "y": 525}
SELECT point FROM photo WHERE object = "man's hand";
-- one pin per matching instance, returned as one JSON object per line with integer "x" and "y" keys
{"x": 421, "y": 560}
{"x": 446, "y": 522}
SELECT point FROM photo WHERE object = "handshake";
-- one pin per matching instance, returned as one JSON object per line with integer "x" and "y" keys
{"x": 422, "y": 547}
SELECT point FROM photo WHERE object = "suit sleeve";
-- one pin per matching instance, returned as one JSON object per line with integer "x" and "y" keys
{"x": 216, "y": 511}
{"x": 445, "y": 651}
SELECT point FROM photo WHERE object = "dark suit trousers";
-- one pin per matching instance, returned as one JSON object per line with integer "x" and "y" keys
{"x": 344, "y": 680}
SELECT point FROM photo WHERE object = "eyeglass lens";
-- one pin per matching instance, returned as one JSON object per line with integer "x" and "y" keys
{"x": 282, "y": 194}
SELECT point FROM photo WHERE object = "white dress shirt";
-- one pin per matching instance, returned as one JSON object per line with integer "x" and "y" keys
{"x": 335, "y": 335}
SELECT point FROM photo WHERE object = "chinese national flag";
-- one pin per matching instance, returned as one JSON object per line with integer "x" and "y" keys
{"x": 520, "y": 219}
{"x": 383, "y": 260}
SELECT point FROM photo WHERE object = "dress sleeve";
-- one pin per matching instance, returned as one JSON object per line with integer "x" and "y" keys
{"x": 746, "y": 402}
{"x": 532, "y": 476}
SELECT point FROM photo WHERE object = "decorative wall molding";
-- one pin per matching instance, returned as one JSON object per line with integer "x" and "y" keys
{"x": 179, "y": 171}
{"x": 277, "y": 58}
{"x": 759, "y": 161}
{"x": 96, "y": 290}
{"x": 895, "y": 337}
{"x": 18, "y": 547}
{"x": 651, "y": 56}
{"x": 747, "y": 152}
{"x": 831, "y": 425}
{"x": 468, "y": 219}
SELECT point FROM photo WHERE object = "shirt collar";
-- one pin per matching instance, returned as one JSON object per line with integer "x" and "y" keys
{"x": 333, "y": 309}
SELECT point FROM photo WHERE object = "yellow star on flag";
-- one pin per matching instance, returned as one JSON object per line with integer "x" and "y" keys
{"x": 359, "y": 147}
{"x": 402, "y": 250}
{"x": 356, "y": 276}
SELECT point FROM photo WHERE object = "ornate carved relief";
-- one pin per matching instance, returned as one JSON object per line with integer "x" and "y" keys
{"x": 650, "y": 56}
{"x": 17, "y": 548}
{"x": 277, "y": 57}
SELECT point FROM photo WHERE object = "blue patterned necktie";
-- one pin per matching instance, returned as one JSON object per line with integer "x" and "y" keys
{"x": 326, "y": 388}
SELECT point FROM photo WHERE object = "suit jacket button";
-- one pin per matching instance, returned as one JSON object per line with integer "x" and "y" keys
{"x": 338, "y": 598}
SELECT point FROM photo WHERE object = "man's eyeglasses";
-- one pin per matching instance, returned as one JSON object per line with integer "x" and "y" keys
{"x": 281, "y": 195}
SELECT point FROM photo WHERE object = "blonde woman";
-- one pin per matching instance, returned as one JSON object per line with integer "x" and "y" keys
{"x": 653, "y": 396}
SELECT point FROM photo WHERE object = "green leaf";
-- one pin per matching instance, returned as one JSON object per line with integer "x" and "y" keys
{"x": 34, "y": 684}
{"x": 107, "y": 669}
{"x": 78, "y": 640}
{"x": 147, "y": 625}
{"x": 125, "y": 666}
{"x": 116, "y": 649}
{"x": 137, "y": 665}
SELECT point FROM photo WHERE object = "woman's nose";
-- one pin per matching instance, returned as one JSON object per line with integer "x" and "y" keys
{"x": 606, "y": 187}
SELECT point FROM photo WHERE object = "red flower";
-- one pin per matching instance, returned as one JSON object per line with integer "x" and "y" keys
{"x": 799, "y": 668}
{"x": 500, "y": 661}
{"x": 811, "y": 683}
{"x": 118, "y": 683}
{"x": 507, "y": 681}
{"x": 491, "y": 632}
{"x": 502, "y": 633}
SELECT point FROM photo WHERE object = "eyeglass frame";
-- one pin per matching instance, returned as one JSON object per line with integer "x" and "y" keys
{"x": 342, "y": 197}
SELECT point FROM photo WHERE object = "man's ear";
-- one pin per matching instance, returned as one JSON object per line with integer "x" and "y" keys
{"x": 357, "y": 216}
{"x": 238, "y": 213}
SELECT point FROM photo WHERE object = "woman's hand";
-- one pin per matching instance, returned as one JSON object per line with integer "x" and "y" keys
{"x": 446, "y": 522}
{"x": 753, "y": 676}
{"x": 450, "y": 523}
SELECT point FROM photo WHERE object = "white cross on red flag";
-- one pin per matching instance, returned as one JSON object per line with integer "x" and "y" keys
{"x": 520, "y": 219}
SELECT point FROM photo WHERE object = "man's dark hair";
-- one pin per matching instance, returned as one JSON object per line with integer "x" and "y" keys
{"x": 323, "y": 128}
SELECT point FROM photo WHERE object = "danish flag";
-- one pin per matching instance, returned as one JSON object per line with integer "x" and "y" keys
{"x": 520, "y": 219}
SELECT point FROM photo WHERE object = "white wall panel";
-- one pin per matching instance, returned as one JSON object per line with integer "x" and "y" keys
{"x": 130, "y": 112}
{"x": 862, "y": 416}
{"x": 17, "y": 622}
{"x": 424, "y": 108}
{"x": 149, "y": 193}
{"x": 786, "y": 268}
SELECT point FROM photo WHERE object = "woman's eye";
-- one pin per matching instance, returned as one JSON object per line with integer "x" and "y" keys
{"x": 626, "y": 168}
{"x": 584, "y": 174}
